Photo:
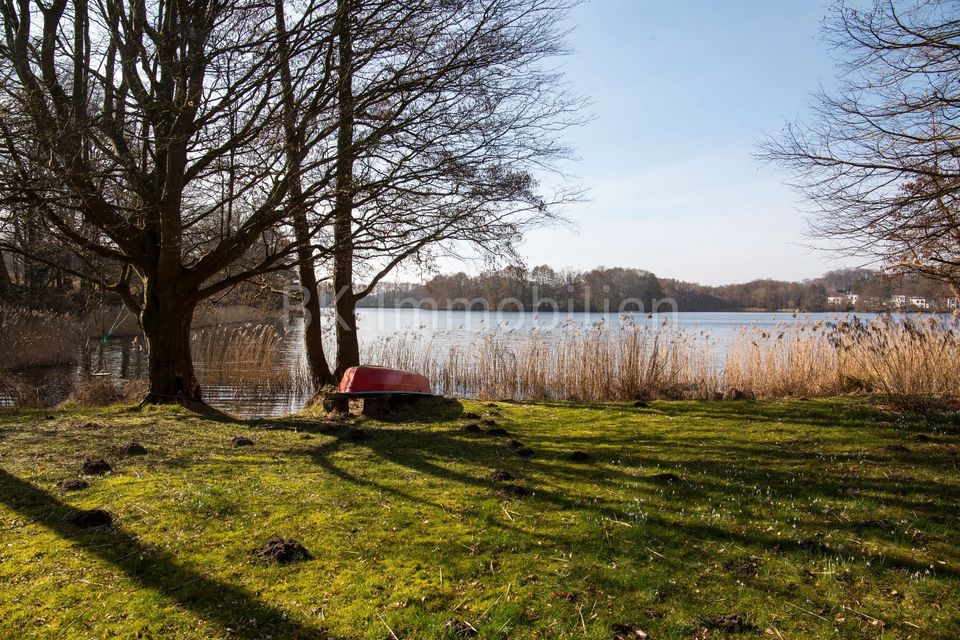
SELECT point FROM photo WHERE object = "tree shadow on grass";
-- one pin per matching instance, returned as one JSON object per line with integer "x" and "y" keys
{"x": 231, "y": 607}
{"x": 425, "y": 452}
{"x": 435, "y": 452}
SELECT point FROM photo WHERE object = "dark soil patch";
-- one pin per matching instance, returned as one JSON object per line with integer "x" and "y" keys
{"x": 92, "y": 426}
{"x": 495, "y": 412}
{"x": 730, "y": 623}
{"x": 514, "y": 490}
{"x": 96, "y": 466}
{"x": 499, "y": 475}
{"x": 133, "y": 449}
{"x": 306, "y": 436}
{"x": 579, "y": 456}
{"x": 514, "y": 444}
{"x": 497, "y": 431}
{"x": 473, "y": 427}
{"x": 735, "y": 394}
{"x": 813, "y": 545}
{"x": 526, "y": 452}
{"x": 895, "y": 448}
{"x": 641, "y": 404}
{"x": 240, "y": 441}
{"x": 877, "y": 523}
{"x": 488, "y": 422}
{"x": 356, "y": 435}
{"x": 460, "y": 628}
{"x": 922, "y": 437}
{"x": 74, "y": 484}
{"x": 89, "y": 519}
{"x": 665, "y": 478}
{"x": 628, "y": 632}
{"x": 746, "y": 566}
{"x": 282, "y": 551}
{"x": 470, "y": 415}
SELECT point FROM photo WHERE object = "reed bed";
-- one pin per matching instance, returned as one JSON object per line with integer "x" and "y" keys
{"x": 259, "y": 363}
{"x": 251, "y": 361}
{"x": 103, "y": 392}
{"x": 897, "y": 357}
{"x": 34, "y": 338}
{"x": 595, "y": 365}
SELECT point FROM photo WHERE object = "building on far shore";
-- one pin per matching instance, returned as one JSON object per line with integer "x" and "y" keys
{"x": 843, "y": 298}
{"x": 953, "y": 303}
{"x": 849, "y": 300}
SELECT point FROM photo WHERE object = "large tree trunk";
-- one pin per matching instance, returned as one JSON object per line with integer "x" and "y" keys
{"x": 166, "y": 319}
{"x": 320, "y": 374}
{"x": 348, "y": 344}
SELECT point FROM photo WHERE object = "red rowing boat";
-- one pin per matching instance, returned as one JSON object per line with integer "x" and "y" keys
{"x": 367, "y": 381}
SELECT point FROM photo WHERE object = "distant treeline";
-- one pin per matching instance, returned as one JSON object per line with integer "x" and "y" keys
{"x": 543, "y": 288}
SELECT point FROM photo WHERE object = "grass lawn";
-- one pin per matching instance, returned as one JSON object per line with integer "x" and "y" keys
{"x": 687, "y": 520}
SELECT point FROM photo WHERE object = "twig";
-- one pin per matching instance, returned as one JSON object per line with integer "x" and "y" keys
{"x": 807, "y": 611}
{"x": 384, "y": 623}
{"x": 620, "y": 522}
{"x": 75, "y": 618}
{"x": 492, "y": 605}
{"x": 863, "y": 615}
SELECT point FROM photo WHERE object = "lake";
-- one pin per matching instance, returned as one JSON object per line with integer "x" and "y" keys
{"x": 385, "y": 329}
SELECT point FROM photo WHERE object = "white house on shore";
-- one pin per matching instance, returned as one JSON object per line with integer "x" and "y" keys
{"x": 843, "y": 298}
{"x": 898, "y": 301}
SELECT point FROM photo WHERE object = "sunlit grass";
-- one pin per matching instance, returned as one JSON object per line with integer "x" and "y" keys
{"x": 817, "y": 519}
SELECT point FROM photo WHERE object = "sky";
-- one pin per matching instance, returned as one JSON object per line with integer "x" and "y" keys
{"x": 682, "y": 93}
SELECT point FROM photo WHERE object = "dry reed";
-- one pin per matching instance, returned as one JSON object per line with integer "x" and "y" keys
{"x": 251, "y": 361}
{"x": 33, "y": 338}
{"x": 103, "y": 392}
{"x": 897, "y": 357}
{"x": 256, "y": 362}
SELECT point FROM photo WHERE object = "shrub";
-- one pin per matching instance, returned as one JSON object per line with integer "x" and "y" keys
{"x": 102, "y": 392}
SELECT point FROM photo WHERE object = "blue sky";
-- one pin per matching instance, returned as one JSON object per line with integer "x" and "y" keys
{"x": 682, "y": 93}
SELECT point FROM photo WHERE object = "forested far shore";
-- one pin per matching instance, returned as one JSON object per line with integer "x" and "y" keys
{"x": 543, "y": 288}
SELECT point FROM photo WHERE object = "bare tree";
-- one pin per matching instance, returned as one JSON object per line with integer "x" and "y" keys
{"x": 881, "y": 160}
{"x": 319, "y": 369}
{"x": 150, "y": 135}
{"x": 447, "y": 112}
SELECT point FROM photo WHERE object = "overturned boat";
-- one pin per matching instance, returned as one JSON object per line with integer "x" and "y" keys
{"x": 381, "y": 389}
{"x": 374, "y": 382}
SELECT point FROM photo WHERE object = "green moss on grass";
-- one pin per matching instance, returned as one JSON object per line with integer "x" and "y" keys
{"x": 797, "y": 516}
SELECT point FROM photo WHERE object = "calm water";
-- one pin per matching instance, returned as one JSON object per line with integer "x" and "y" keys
{"x": 459, "y": 326}
{"x": 125, "y": 357}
